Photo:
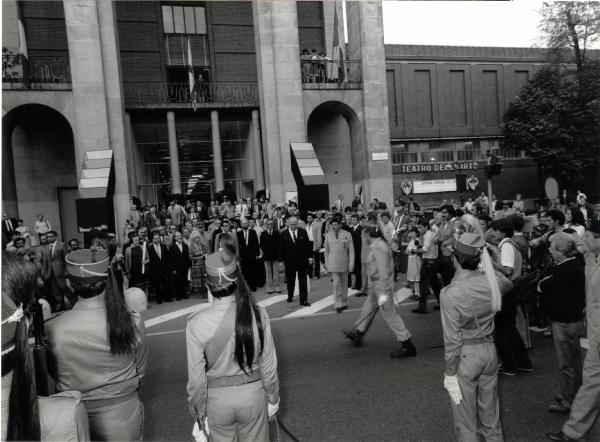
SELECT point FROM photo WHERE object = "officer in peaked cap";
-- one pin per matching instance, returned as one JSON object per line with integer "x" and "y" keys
{"x": 467, "y": 314}
{"x": 99, "y": 349}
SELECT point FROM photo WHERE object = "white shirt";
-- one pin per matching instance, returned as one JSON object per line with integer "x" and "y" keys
{"x": 294, "y": 235}
{"x": 507, "y": 254}
{"x": 430, "y": 250}
{"x": 157, "y": 248}
{"x": 180, "y": 246}
{"x": 310, "y": 232}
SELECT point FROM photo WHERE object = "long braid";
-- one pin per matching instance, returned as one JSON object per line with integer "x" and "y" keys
{"x": 122, "y": 334}
{"x": 244, "y": 330}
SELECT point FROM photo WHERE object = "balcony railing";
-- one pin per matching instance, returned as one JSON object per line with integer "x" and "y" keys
{"x": 43, "y": 71}
{"x": 330, "y": 74}
{"x": 203, "y": 94}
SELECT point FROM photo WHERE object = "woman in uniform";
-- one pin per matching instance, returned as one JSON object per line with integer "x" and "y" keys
{"x": 99, "y": 349}
{"x": 471, "y": 375}
{"x": 232, "y": 367}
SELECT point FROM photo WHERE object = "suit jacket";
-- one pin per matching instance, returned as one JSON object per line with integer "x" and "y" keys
{"x": 294, "y": 254}
{"x": 357, "y": 242}
{"x": 151, "y": 219}
{"x": 339, "y": 252}
{"x": 279, "y": 223}
{"x": 55, "y": 262}
{"x": 5, "y": 230}
{"x": 179, "y": 261}
{"x": 157, "y": 266}
{"x": 316, "y": 234}
{"x": 250, "y": 251}
{"x": 269, "y": 244}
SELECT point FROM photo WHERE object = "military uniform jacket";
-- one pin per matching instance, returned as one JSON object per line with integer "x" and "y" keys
{"x": 201, "y": 328}
{"x": 466, "y": 310}
{"x": 380, "y": 266}
{"x": 339, "y": 252}
{"x": 80, "y": 353}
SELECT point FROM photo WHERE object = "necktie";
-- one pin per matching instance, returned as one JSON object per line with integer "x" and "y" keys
{"x": 157, "y": 247}
{"x": 9, "y": 225}
{"x": 246, "y": 236}
{"x": 294, "y": 236}
{"x": 52, "y": 249}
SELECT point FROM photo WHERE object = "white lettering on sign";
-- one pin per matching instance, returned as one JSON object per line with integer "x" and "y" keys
{"x": 432, "y": 186}
{"x": 437, "y": 167}
{"x": 379, "y": 156}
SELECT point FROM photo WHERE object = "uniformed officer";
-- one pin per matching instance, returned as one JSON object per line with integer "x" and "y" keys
{"x": 471, "y": 363}
{"x": 232, "y": 367}
{"x": 339, "y": 260}
{"x": 98, "y": 348}
{"x": 381, "y": 286}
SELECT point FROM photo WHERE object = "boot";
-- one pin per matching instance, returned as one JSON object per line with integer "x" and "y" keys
{"x": 356, "y": 337}
{"x": 406, "y": 351}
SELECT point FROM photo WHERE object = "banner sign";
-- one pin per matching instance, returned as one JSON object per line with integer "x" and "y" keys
{"x": 439, "y": 167}
{"x": 433, "y": 186}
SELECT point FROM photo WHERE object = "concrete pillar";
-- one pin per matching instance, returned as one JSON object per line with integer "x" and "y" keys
{"x": 9, "y": 187}
{"x": 259, "y": 177}
{"x": 130, "y": 152}
{"x": 217, "y": 156}
{"x": 173, "y": 154}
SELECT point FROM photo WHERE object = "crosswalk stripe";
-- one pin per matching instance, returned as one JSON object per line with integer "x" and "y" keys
{"x": 176, "y": 314}
{"x": 316, "y": 306}
{"x": 272, "y": 300}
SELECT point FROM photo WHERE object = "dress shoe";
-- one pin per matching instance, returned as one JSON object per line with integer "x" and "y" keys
{"x": 436, "y": 307}
{"x": 420, "y": 310}
{"x": 527, "y": 369}
{"x": 277, "y": 291}
{"x": 289, "y": 300}
{"x": 344, "y": 308}
{"x": 559, "y": 407}
{"x": 355, "y": 336}
{"x": 305, "y": 304}
{"x": 169, "y": 300}
{"x": 159, "y": 301}
{"x": 339, "y": 309}
{"x": 185, "y": 297}
{"x": 361, "y": 294}
{"x": 507, "y": 371}
{"x": 407, "y": 350}
{"x": 559, "y": 435}
{"x": 269, "y": 293}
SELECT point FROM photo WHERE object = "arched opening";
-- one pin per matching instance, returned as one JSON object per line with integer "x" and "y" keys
{"x": 336, "y": 133}
{"x": 39, "y": 173}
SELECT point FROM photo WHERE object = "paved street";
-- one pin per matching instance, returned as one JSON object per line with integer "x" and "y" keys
{"x": 333, "y": 391}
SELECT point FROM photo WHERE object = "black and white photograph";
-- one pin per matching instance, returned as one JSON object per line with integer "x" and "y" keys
{"x": 298, "y": 220}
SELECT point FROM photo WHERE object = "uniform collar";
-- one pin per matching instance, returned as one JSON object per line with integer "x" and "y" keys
{"x": 224, "y": 300}
{"x": 92, "y": 303}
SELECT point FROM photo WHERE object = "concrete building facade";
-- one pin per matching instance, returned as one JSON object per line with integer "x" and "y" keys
{"x": 198, "y": 98}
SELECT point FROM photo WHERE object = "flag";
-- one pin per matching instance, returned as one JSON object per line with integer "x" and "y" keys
{"x": 23, "y": 48}
{"x": 338, "y": 52}
{"x": 190, "y": 65}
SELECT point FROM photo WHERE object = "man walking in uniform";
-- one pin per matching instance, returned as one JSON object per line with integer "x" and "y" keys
{"x": 339, "y": 259}
{"x": 471, "y": 377}
{"x": 294, "y": 251}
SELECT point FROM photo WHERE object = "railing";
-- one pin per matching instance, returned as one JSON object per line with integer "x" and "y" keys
{"x": 42, "y": 69}
{"x": 245, "y": 93}
{"x": 322, "y": 73}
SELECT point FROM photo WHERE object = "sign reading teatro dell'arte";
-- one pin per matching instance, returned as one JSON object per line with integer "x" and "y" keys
{"x": 439, "y": 167}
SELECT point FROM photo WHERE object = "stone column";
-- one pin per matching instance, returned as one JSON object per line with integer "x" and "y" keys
{"x": 259, "y": 177}
{"x": 173, "y": 154}
{"x": 217, "y": 156}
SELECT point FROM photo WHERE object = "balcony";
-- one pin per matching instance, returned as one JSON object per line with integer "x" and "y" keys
{"x": 46, "y": 73}
{"x": 330, "y": 74}
{"x": 177, "y": 95}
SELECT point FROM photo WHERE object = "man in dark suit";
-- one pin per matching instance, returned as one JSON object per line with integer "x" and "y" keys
{"x": 159, "y": 266}
{"x": 152, "y": 217}
{"x": 54, "y": 271}
{"x": 356, "y": 232}
{"x": 269, "y": 244}
{"x": 9, "y": 226}
{"x": 249, "y": 253}
{"x": 180, "y": 263}
{"x": 294, "y": 251}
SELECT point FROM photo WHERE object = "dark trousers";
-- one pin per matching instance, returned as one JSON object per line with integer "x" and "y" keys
{"x": 446, "y": 269}
{"x": 249, "y": 271}
{"x": 290, "y": 276}
{"x": 314, "y": 271}
{"x": 429, "y": 268}
{"x": 161, "y": 287}
{"x": 509, "y": 343}
{"x": 180, "y": 283}
{"x": 357, "y": 274}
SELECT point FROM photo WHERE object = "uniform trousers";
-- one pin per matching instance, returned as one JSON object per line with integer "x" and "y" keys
{"x": 119, "y": 419}
{"x": 389, "y": 313}
{"x": 585, "y": 409}
{"x": 238, "y": 413}
{"x": 479, "y": 411}
{"x": 272, "y": 276}
{"x": 340, "y": 288}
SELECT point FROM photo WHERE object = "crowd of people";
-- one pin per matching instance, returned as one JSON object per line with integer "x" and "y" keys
{"x": 493, "y": 274}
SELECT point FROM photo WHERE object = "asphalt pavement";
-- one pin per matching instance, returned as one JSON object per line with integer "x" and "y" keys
{"x": 331, "y": 390}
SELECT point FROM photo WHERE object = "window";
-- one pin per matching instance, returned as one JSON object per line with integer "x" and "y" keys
{"x": 189, "y": 20}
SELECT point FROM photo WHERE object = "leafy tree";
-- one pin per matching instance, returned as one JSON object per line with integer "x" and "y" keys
{"x": 574, "y": 24}
{"x": 556, "y": 120}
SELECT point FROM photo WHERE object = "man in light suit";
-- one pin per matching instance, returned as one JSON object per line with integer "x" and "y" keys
{"x": 54, "y": 271}
{"x": 249, "y": 250}
{"x": 339, "y": 258}
{"x": 313, "y": 228}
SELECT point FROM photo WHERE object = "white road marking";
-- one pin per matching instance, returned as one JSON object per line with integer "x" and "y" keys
{"x": 316, "y": 306}
{"x": 272, "y": 300}
{"x": 175, "y": 314}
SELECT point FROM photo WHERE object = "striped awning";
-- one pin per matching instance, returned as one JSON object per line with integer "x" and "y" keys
{"x": 95, "y": 175}
{"x": 308, "y": 164}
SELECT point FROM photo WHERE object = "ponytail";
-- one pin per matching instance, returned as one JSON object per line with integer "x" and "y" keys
{"x": 122, "y": 334}
{"x": 244, "y": 325}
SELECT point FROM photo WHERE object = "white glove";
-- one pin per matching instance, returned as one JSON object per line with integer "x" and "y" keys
{"x": 382, "y": 299}
{"x": 451, "y": 384}
{"x": 272, "y": 409}
{"x": 199, "y": 435}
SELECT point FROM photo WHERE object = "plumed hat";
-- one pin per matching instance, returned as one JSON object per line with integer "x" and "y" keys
{"x": 87, "y": 266}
